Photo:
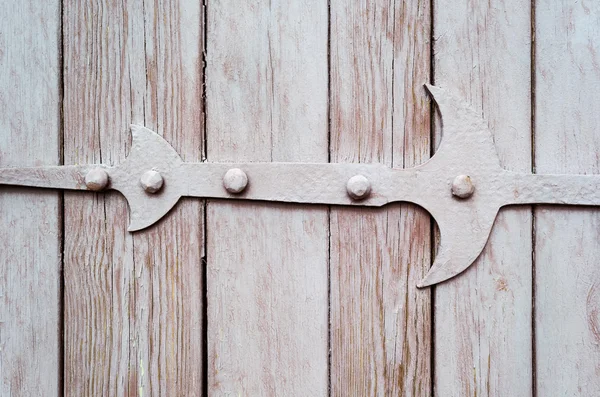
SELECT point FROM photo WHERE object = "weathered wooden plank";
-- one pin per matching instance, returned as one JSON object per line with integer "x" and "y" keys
{"x": 567, "y": 252}
{"x": 483, "y": 318}
{"x": 380, "y": 322}
{"x": 30, "y": 227}
{"x": 267, "y": 264}
{"x": 133, "y": 304}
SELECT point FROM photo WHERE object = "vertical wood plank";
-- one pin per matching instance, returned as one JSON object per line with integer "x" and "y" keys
{"x": 483, "y": 334}
{"x": 567, "y": 251}
{"x": 133, "y": 303}
{"x": 30, "y": 228}
{"x": 380, "y": 322}
{"x": 267, "y": 263}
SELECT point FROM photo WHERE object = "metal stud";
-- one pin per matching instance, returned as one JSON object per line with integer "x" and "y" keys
{"x": 462, "y": 187}
{"x": 151, "y": 181}
{"x": 96, "y": 179}
{"x": 235, "y": 181}
{"x": 358, "y": 187}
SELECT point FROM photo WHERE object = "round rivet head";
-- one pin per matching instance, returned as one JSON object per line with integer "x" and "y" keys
{"x": 151, "y": 181}
{"x": 96, "y": 179}
{"x": 462, "y": 186}
{"x": 358, "y": 187}
{"x": 235, "y": 180}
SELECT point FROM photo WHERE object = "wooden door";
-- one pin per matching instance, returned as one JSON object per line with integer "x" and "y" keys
{"x": 256, "y": 299}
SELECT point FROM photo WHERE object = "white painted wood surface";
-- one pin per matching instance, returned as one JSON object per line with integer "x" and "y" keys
{"x": 266, "y": 81}
{"x": 30, "y": 227}
{"x": 567, "y": 243}
{"x": 380, "y": 322}
{"x": 133, "y": 303}
{"x": 301, "y": 301}
{"x": 483, "y": 333}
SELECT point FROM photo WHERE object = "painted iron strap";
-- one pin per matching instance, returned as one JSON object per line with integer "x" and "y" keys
{"x": 462, "y": 186}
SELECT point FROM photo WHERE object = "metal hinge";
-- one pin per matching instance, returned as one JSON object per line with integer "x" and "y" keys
{"x": 462, "y": 186}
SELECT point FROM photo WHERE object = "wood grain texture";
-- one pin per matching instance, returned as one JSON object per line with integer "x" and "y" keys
{"x": 483, "y": 325}
{"x": 567, "y": 248}
{"x": 30, "y": 239}
{"x": 133, "y": 303}
{"x": 267, "y": 263}
{"x": 380, "y": 322}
